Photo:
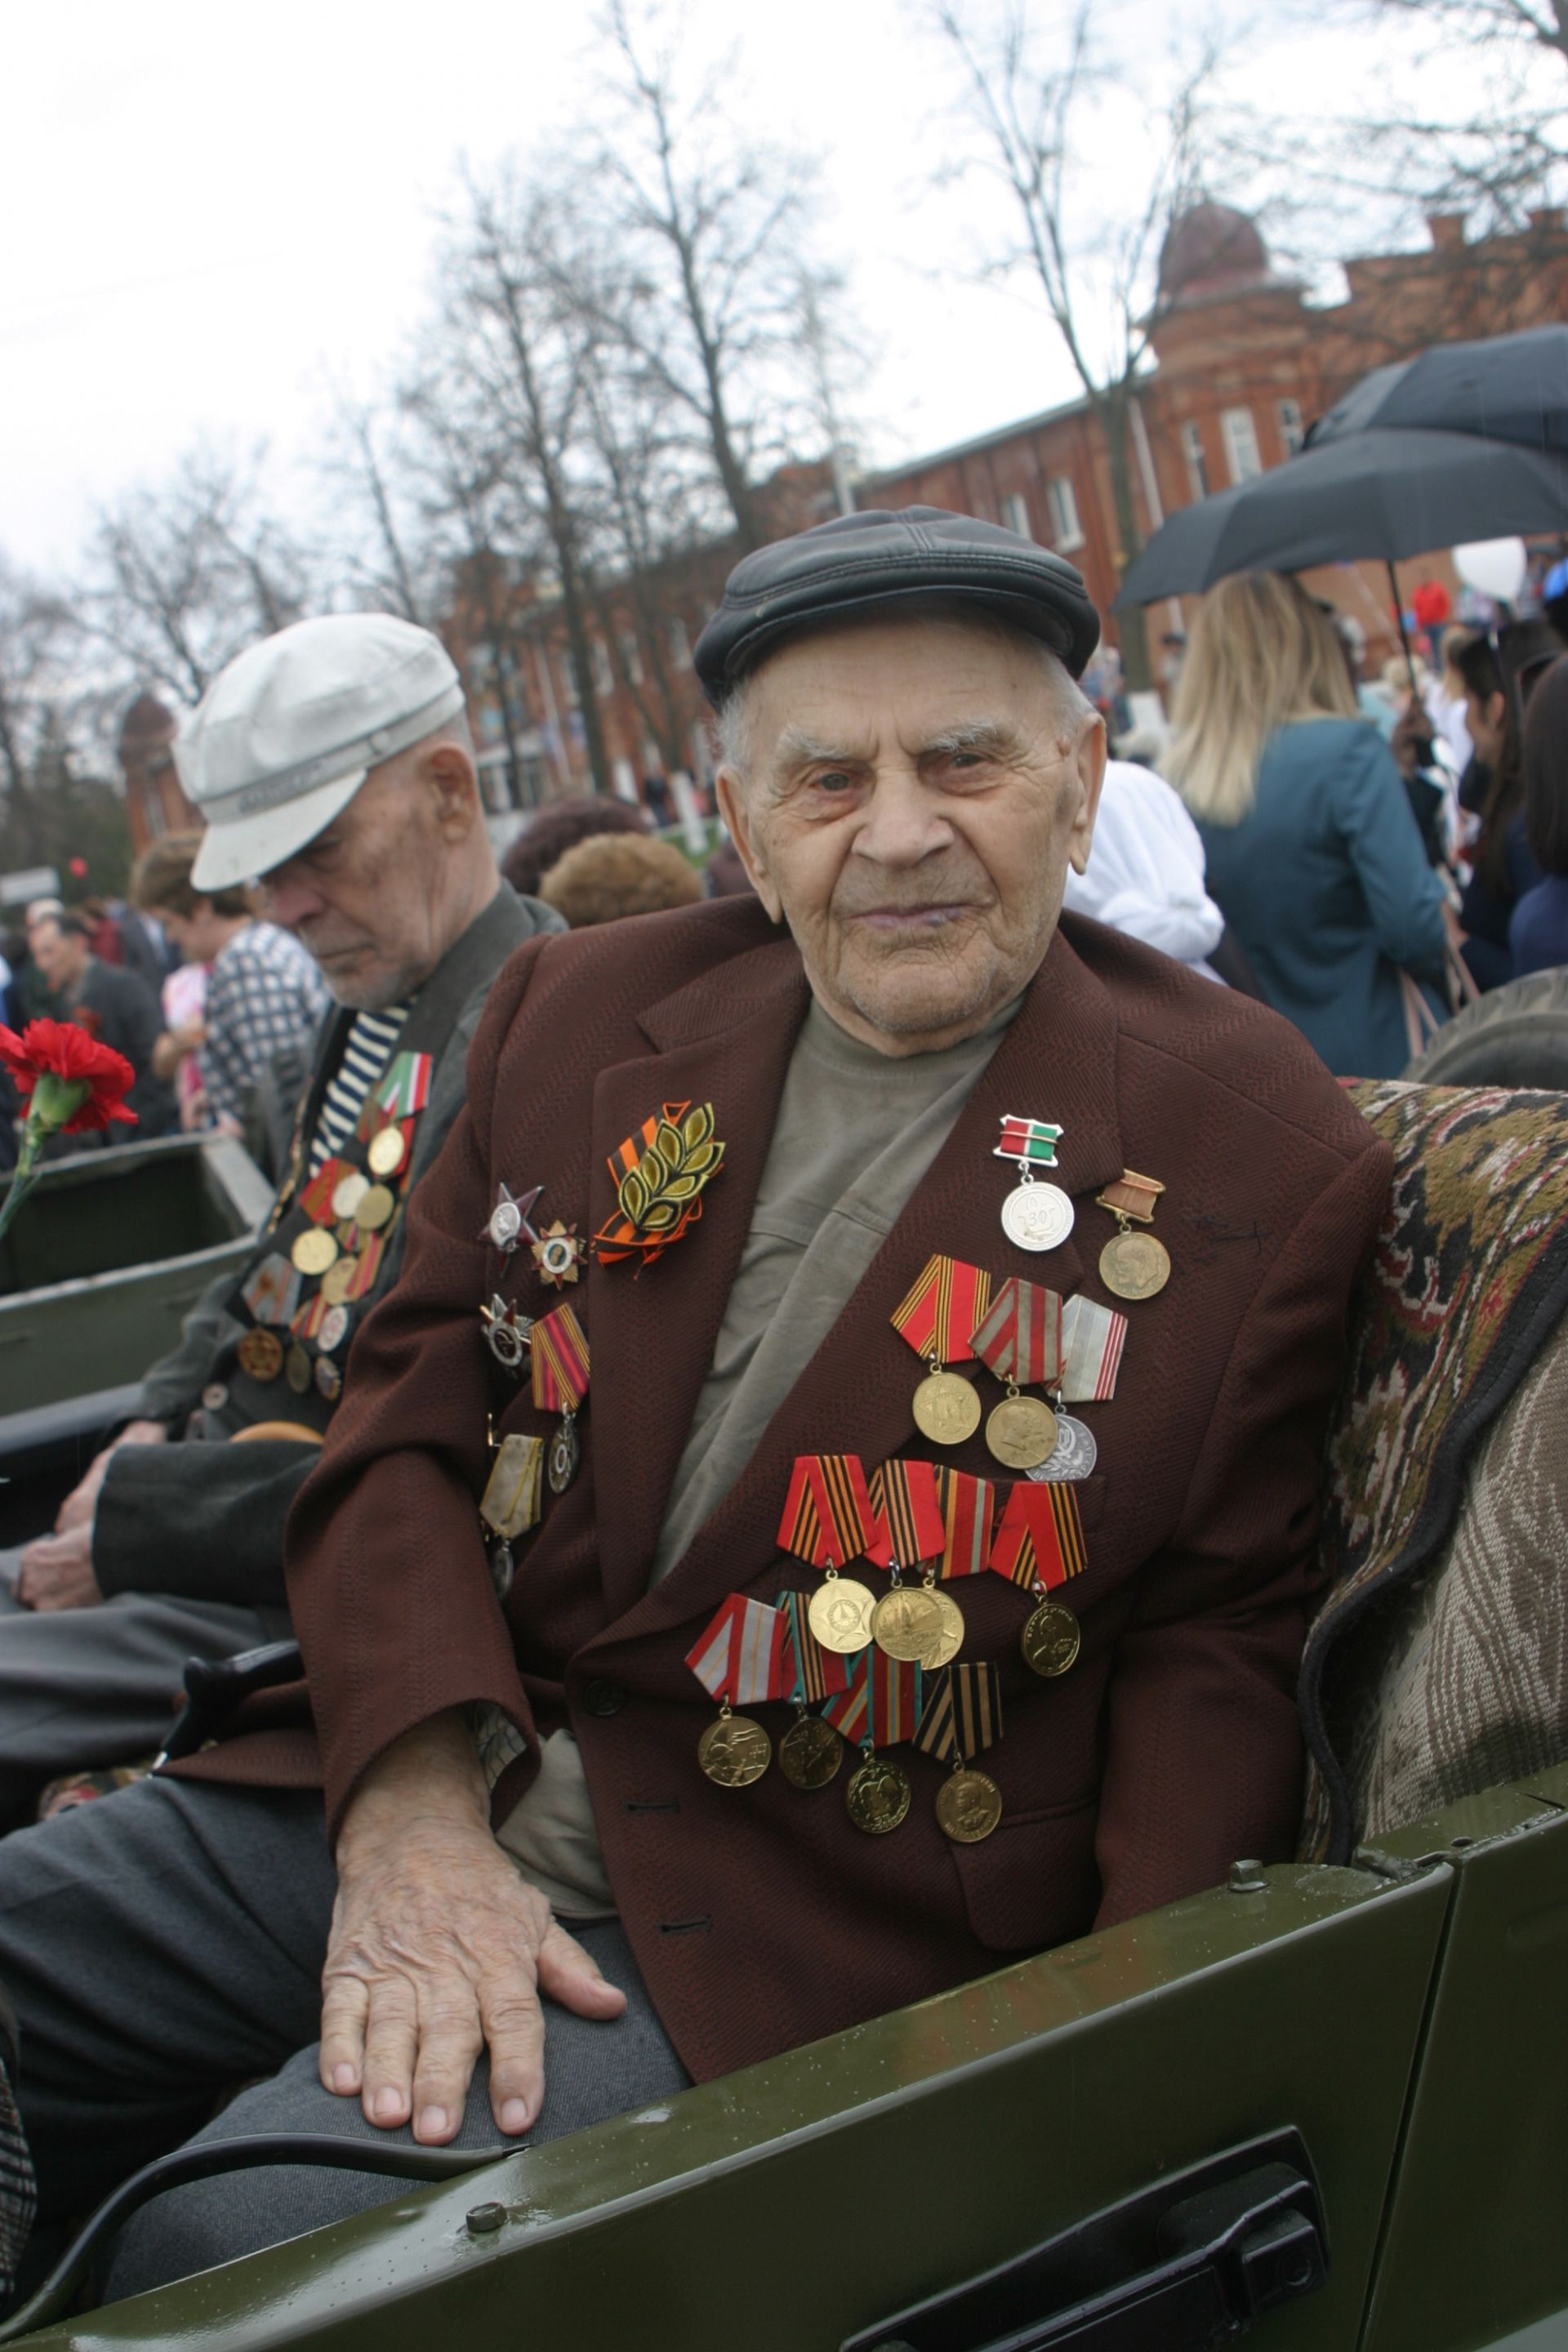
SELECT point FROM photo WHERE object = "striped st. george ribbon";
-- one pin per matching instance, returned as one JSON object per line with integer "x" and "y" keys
{"x": 904, "y": 1498}
{"x": 810, "y": 1672}
{"x": 963, "y": 1712}
{"x": 947, "y": 1300}
{"x": 828, "y": 1516}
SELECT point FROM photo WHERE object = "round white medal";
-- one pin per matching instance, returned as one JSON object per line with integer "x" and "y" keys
{"x": 1075, "y": 1453}
{"x": 1038, "y": 1216}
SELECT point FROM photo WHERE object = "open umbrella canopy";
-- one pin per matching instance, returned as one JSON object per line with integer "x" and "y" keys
{"x": 1508, "y": 388}
{"x": 1378, "y": 494}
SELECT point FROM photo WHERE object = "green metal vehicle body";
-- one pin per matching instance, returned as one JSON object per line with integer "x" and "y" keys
{"x": 1403, "y": 2017}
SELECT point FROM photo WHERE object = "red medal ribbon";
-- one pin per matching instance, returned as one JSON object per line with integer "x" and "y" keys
{"x": 1040, "y": 1540}
{"x": 946, "y": 1303}
{"x": 560, "y": 1362}
{"x": 316, "y": 1199}
{"x": 968, "y": 1508}
{"x": 829, "y": 1520}
{"x": 306, "y": 1324}
{"x": 1021, "y": 1338}
{"x": 659, "y": 1174}
{"x": 739, "y": 1655}
{"x": 810, "y": 1672}
{"x": 881, "y": 1703}
{"x": 367, "y": 1264}
{"x": 904, "y": 1498}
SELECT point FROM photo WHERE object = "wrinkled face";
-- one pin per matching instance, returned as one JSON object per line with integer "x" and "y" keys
{"x": 914, "y": 793}
{"x": 370, "y": 897}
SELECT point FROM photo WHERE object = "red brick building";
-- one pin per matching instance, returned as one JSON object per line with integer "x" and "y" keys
{"x": 154, "y": 801}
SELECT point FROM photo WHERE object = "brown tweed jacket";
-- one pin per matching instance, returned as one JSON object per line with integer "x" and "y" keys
{"x": 762, "y": 1918}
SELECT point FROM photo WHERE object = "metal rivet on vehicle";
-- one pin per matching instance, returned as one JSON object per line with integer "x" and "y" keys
{"x": 1247, "y": 1878}
{"x": 484, "y": 2220}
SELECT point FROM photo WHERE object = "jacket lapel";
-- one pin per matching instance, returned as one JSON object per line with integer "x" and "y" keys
{"x": 1058, "y": 1062}
{"x": 725, "y": 1041}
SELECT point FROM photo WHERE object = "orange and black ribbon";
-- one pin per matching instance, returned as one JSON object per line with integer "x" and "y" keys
{"x": 1040, "y": 1540}
{"x": 904, "y": 1498}
{"x": 659, "y": 1174}
{"x": 948, "y": 1299}
{"x": 559, "y": 1352}
{"x": 963, "y": 1712}
{"x": 811, "y": 1673}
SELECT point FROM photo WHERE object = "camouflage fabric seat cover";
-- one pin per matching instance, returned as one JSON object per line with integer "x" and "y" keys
{"x": 1437, "y": 1662}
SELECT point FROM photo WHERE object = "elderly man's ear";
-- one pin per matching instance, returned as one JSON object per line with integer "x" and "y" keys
{"x": 731, "y": 797}
{"x": 1088, "y": 761}
{"x": 451, "y": 781}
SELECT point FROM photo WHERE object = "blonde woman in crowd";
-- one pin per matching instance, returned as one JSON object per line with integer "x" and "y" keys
{"x": 1311, "y": 850}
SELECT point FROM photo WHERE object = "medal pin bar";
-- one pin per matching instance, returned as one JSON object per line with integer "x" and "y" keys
{"x": 1034, "y": 1215}
{"x": 559, "y": 1350}
{"x": 1134, "y": 1264}
{"x": 739, "y": 1659}
{"x": 915, "y": 1624}
{"x": 1093, "y": 1339}
{"x": 936, "y": 1317}
{"x": 962, "y": 1718}
{"x": 828, "y": 1520}
{"x": 1039, "y": 1546}
{"x": 1021, "y": 1341}
{"x": 880, "y": 1707}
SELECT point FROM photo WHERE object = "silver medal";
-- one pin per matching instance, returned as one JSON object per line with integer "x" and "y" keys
{"x": 1075, "y": 1453}
{"x": 564, "y": 1451}
{"x": 502, "y": 1568}
{"x": 1038, "y": 1216}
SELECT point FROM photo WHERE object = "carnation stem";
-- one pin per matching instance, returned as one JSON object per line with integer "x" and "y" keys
{"x": 33, "y": 1136}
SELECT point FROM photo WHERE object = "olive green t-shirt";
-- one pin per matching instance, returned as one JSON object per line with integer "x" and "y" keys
{"x": 854, "y": 1133}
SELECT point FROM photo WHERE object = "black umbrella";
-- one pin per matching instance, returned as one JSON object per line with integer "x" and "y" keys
{"x": 1378, "y": 494}
{"x": 1509, "y": 388}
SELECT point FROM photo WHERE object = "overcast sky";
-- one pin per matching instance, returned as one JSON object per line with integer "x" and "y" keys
{"x": 211, "y": 213}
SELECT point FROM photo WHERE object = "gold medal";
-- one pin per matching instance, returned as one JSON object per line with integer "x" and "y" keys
{"x": 948, "y": 1640}
{"x": 968, "y": 1806}
{"x": 375, "y": 1210}
{"x": 388, "y": 1151}
{"x": 906, "y": 1623}
{"x": 734, "y": 1751}
{"x": 350, "y": 1191}
{"x": 260, "y": 1354}
{"x": 839, "y": 1614}
{"x": 328, "y": 1379}
{"x": 338, "y": 1280}
{"x": 946, "y": 1409}
{"x": 877, "y": 1795}
{"x": 313, "y": 1250}
{"x": 1050, "y": 1640}
{"x": 1022, "y": 1432}
{"x": 810, "y": 1753}
{"x": 297, "y": 1370}
{"x": 1135, "y": 1265}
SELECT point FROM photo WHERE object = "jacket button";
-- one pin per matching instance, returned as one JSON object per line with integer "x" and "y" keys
{"x": 602, "y": 1697}
{"x": 215, "y": 1396}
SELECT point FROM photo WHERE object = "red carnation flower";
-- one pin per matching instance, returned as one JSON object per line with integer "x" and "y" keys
{"x": 60, "y": 1052}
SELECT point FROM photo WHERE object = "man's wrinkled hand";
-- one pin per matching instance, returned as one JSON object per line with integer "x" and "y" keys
{"x": 56, "y": 1572}
{"x": 438, "y": 1950}
{"x": 77, "y": 1510}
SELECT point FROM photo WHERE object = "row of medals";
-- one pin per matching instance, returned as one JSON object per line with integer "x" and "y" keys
{"x": 361, "y": 1207}
{"x": 919, "y": 1624}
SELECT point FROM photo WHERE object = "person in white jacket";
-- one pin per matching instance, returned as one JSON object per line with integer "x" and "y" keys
{"x": 1145, "y": 873}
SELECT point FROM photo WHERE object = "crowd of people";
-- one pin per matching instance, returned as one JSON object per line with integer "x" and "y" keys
{"x": 574, "y": 1369}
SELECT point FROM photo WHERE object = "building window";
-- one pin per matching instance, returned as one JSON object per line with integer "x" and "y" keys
{"x": 1240, "y": 444}
{"x": 1193, "y": 452}
{"x": 1067, "y": 531}
{"x": 631, "y": 656}
{"x": 679, "y": 642}
{"x": 1292, "y": 432}
{"x": 1016, "y": 514}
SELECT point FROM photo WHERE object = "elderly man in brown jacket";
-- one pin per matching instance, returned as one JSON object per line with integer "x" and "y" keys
{"x": 788, "y": 1696}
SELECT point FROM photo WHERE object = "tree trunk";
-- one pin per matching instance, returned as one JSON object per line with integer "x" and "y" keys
{"x": 1136, "y": 674}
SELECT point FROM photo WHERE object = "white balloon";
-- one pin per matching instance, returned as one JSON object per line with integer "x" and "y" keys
{"x": 1496, "y": 566}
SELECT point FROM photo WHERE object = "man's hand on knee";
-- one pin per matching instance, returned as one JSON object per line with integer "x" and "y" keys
{"x": 438, "y": 1950}
{"x": 56, "y": 1572}
{"x": 82, "y": 1503}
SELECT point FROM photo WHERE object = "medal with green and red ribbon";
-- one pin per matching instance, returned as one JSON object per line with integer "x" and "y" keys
{"x": 559, "y": 1352}
{"x": 936, "y": 1317}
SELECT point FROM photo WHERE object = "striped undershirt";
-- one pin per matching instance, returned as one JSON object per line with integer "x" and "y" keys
{"x": 367, "y": 1049}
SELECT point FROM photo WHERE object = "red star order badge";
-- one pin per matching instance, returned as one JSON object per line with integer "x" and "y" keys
{"x": 559, "y": 1254}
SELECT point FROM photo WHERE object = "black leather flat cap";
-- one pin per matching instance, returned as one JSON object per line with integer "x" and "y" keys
{"x": 858, "y": 562}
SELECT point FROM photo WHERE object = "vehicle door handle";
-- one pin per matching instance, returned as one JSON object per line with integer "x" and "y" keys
{"x": 1184, "y": 2264}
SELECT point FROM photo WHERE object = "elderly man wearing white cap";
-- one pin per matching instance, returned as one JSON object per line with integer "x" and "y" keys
{"x": 332, "y": 762}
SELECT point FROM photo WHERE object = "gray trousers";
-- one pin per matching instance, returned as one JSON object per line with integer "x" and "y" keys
{"x": 84, "y": 1689}
{"x": 166, "y": 1943}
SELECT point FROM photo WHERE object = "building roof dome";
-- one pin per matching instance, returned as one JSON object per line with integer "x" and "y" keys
{"x": 1212, "y": 251}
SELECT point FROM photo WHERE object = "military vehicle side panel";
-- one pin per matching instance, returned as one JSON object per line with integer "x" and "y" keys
{"x": 790, "y": 2206}
{"x": 1477, "y": 2243}
{"x": 114, "y": 1248}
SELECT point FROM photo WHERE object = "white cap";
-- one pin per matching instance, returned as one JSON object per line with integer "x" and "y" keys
{"x": 286, "y": 735}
